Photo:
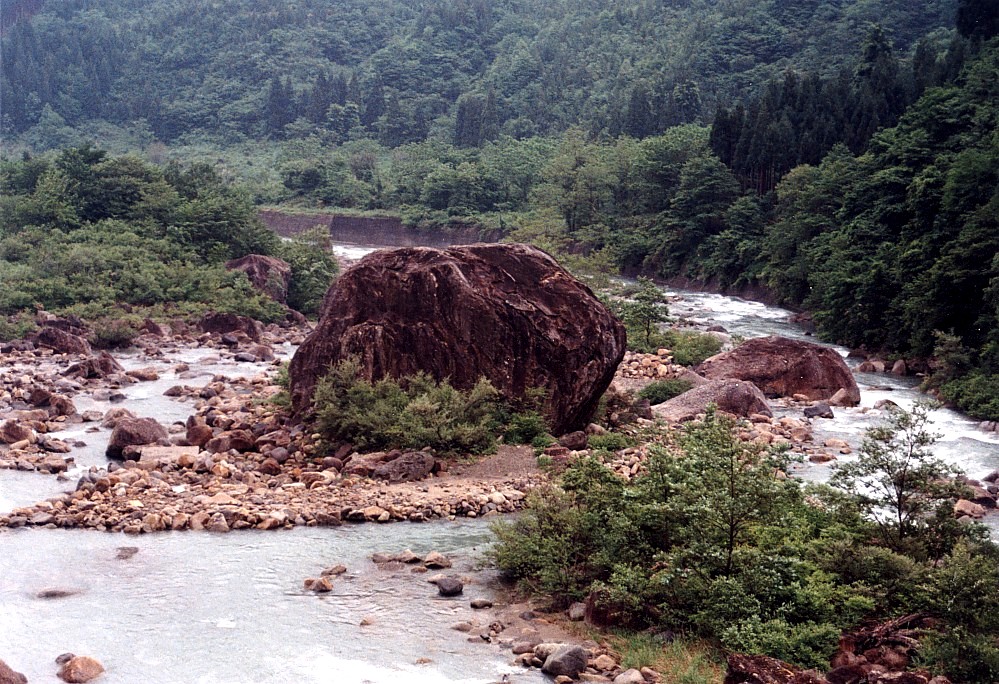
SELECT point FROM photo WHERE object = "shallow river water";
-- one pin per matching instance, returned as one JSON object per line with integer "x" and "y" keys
{"x": 229, "y": 609}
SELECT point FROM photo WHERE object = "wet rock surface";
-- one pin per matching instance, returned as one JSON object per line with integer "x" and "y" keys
{"x": 508, "y": 313}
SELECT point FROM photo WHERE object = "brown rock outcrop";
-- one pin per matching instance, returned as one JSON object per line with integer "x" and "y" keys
{"x": 134, "y": 432}
{"x": 732, "y": 396}
{"x": 745, "y": 669}
{"x": 507, "y": 312}
{"x": 221, "y": 323}
{"x": 268, "y": 274}
{"x": 61, "y": 341}
{"x": 783, "y": 367}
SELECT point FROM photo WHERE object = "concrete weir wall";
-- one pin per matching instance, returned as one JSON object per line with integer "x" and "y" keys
{"x": 369, "y": 230}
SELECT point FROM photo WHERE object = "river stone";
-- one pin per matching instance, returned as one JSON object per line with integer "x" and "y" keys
{"x": 8, "y": 676}
{"x": 449, "y": 586}
{"x": 134, "y": 432}
{"x": 480, "y": 603}
{"x": 268, "y": 274}
{"x": 410, "y": 467}
{"x": 820, "y": 410}
{"x": 80, "y": 669}
{"x": 631, "y": 676}
{"x": 506, "y": 312}
{"x": 436, "y": 560}
{"x": 732, "y": 396}
{"x": 783, "y": 367}
{"x": 568, "y": 660}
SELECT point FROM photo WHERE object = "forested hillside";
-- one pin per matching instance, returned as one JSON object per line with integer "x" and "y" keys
{"x": 400, "y": 70}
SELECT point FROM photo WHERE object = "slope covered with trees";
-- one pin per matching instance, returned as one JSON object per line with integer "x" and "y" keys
{"x": 400, "y": 70}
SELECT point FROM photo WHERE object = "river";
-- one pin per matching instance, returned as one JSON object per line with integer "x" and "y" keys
{"x": 220, "y": 609}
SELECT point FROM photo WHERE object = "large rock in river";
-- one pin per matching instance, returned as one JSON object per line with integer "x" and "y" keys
{"x": 134, "y": 432}
{"x": 784, "y": 367}
{"x": 737, "y": 397}
{"x": 507, "y": 312}
{"x": 60, "y": 341}
{"x": 268, "y": 274}
{"x": 9, "y": 676}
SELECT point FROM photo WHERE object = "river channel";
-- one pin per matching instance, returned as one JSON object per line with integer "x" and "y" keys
{"x": 195, "y": 607}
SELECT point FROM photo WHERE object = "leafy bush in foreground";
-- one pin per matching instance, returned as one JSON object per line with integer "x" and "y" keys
{"x": 710, "y": 543}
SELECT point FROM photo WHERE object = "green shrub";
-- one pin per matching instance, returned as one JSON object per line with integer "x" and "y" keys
{"x": 525, "y": 427}
{"x": 15, "y": 327}
{"x": 690, "y": 347}
{"x": 412, "y": 413}
{"x": 611, "y": 441}
{"x": 807, "y": 644}
{"x": 664, "y": 390}
{"x": 977, "y": 394}
{"x": 113, "y": 333}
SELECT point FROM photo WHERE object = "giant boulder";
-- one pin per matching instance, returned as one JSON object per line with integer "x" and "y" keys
{"x": 134, "y": 432}
{"x": 506, "y": 312}
{"x": 783, "y": 367}
{"x": 268, "y": 274}
{"x": 732, "y": 396}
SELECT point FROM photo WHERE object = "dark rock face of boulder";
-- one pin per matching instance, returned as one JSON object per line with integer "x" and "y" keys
{"x": 409, "y": 467}
{"x": 567, "y": 660}
{"x": 506, "y": 312}
{"x": 784, "y": 367}
{"x": 221, "y": 323}
{"x": 268, "y": 274}
{"x": 61, "y": 341}
{"x": 134, "y": 432}
{"x": 743, "y": 669}
{"x": 732, "y": 396}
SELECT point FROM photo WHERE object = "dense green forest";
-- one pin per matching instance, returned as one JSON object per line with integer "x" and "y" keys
{"x": 400, "y": 71}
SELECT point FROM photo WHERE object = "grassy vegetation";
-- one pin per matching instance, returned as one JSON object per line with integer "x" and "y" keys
{"x": 664, "y": 390}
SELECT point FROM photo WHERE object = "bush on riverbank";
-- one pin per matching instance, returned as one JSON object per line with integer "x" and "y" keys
{"x": 81, "y": 232}
{"x": 710, "y": 543}
{"x": 416, "y": 412}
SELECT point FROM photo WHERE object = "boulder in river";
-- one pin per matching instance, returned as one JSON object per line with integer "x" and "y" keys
{"x": 222, "y": 323}
{"x": 268, "y": 274}
{"x": 506, "y": 312}
{"x": 732, "y": 396}
{"x": 80, "y": 669}
{"x": 134, "y": 432}
{"x": 783, "y": 367}
{"x": 95, "y": 366}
